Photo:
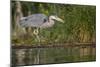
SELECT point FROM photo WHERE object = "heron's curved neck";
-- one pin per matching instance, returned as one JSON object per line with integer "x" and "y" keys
{"x": 50, "y": 20}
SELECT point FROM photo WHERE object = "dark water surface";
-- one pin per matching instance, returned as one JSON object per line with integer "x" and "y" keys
{"x": 32, "y": 56}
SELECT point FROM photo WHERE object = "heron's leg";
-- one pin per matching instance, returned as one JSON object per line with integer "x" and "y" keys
{"x": 36, "y": 32}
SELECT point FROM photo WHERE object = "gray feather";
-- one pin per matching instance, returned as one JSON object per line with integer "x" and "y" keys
{"x": 35, "y": 20}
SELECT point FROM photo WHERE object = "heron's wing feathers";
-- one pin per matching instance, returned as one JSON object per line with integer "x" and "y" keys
{"x": 34, "y": 20}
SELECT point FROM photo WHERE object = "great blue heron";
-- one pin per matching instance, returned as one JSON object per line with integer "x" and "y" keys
{"x": 39, "y": 21}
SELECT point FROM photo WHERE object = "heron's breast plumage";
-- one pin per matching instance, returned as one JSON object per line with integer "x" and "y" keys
{"x": 47, "y": 24}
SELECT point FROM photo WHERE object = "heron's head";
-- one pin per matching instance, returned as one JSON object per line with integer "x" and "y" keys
{"x": 54, "y": 17}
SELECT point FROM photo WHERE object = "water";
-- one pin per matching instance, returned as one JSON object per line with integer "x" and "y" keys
{"x": 32, "y": 56}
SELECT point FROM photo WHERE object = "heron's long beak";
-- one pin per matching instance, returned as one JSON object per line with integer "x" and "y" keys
{"x": 59, "y": 19}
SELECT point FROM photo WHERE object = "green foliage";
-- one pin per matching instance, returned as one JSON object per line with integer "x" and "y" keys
{"x": 79, "y": 26}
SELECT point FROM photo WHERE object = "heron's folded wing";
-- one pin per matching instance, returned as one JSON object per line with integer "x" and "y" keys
{"x": 34, "y": 20}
